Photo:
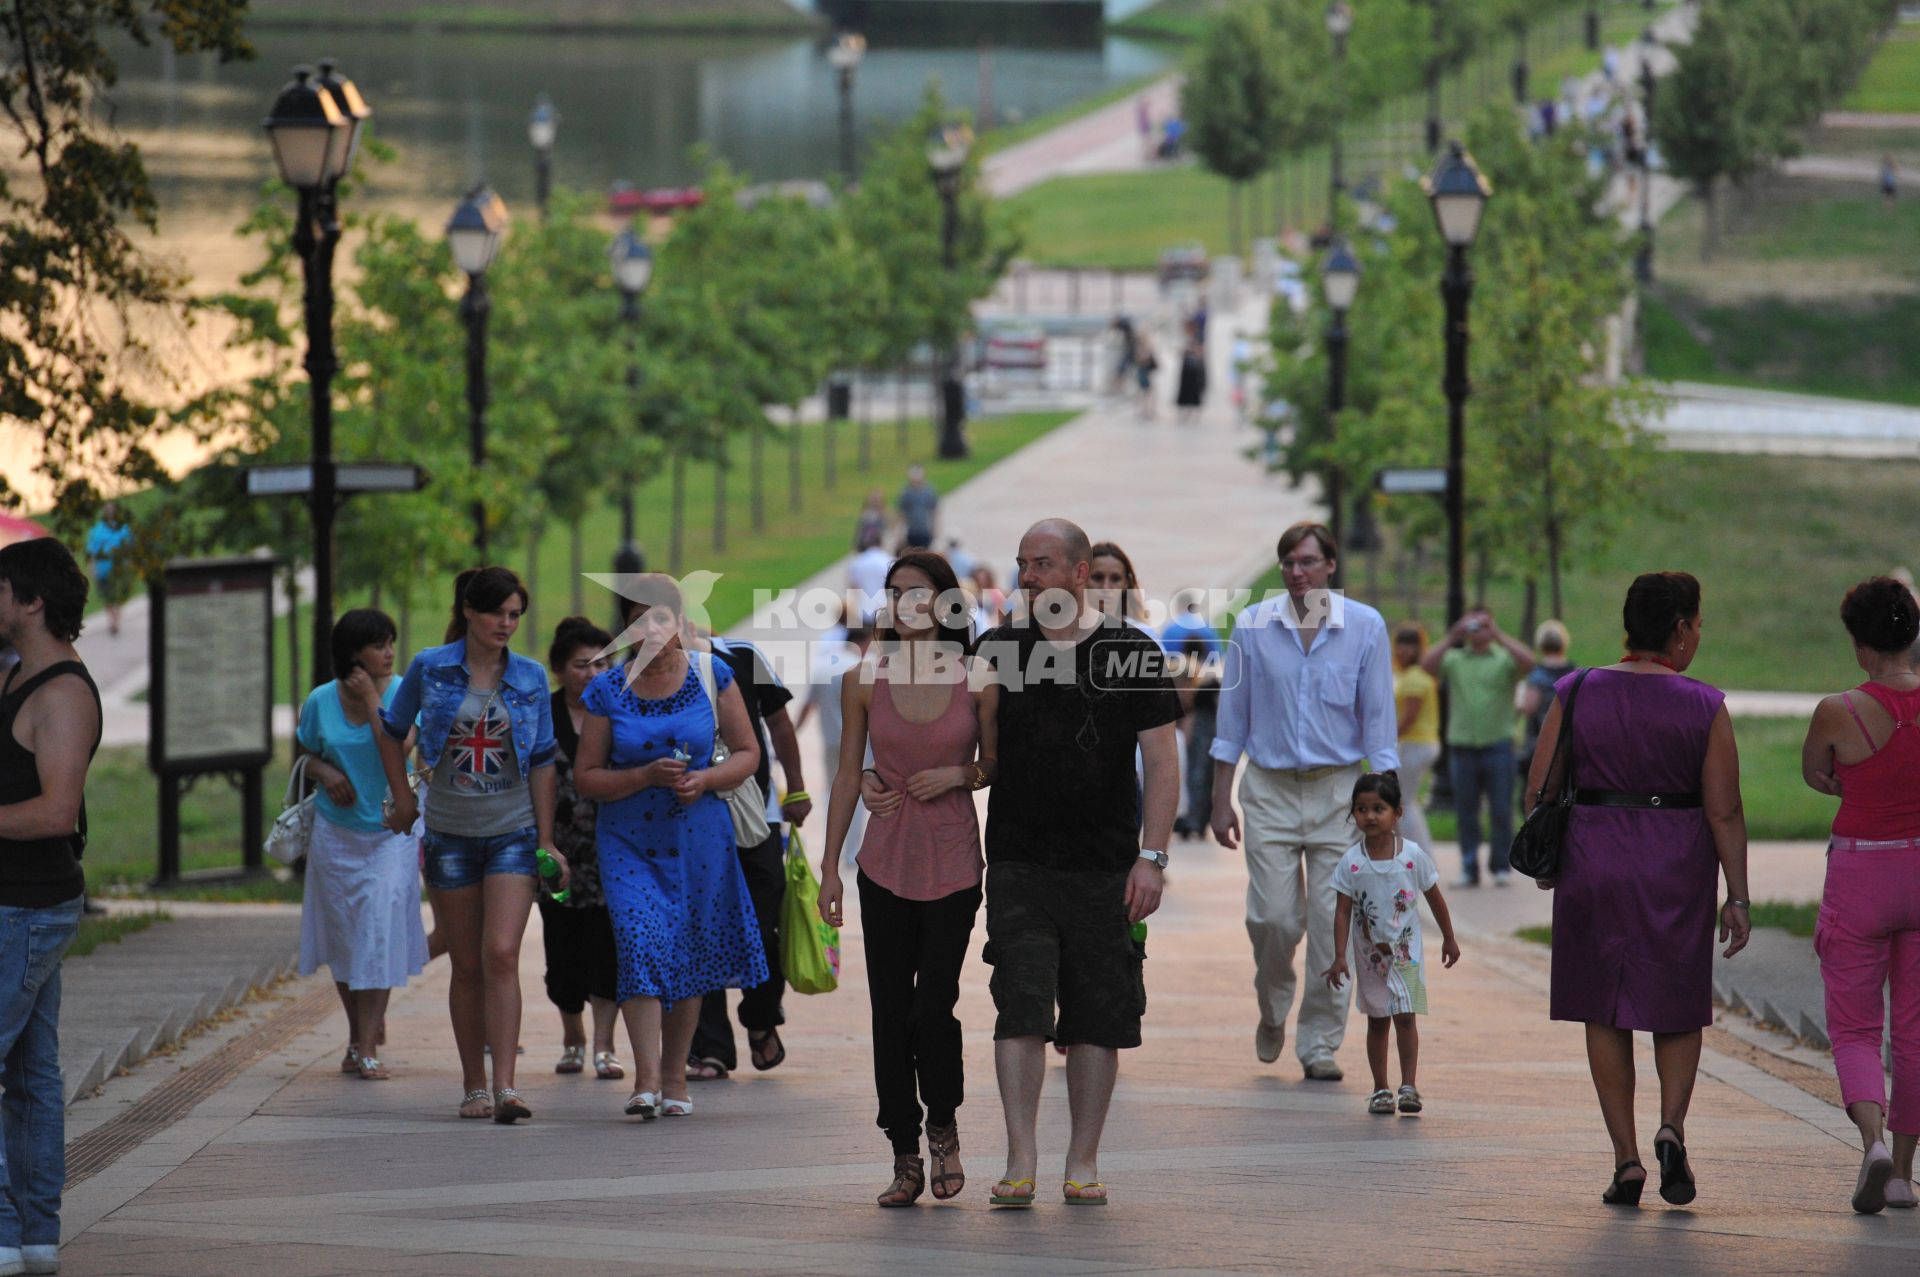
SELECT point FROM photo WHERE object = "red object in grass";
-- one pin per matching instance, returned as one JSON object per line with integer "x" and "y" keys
{"x": 627, "y": 200}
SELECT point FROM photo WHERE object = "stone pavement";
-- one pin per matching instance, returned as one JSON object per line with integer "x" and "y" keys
{"x": 1215, "y": 1161}
{"x": 1106, "y": 140}
{"x": 1708, "y": 418}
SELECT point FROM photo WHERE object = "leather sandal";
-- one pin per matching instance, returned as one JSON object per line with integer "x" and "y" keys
{"x": 508, "y": 1107}
{"x": 943, "y": 1145}
{"x": 1676, "y": 1177}
{"x": 1625, "y": 1192}
{"x": 762, "y": 1058}
{"x": 909, "y": 1181}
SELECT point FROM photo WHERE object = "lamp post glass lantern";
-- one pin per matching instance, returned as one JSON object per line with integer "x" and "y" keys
{"x": 543, "y": 125}
{"x": 1459, "y": 196}
{"x": 474, "y": 234}
{"x": 947, "y": 152}
{"x": 345, "y": 146}
{"x": 301, "y": 125}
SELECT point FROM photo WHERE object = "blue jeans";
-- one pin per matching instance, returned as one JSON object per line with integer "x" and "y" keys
{"x": 34, "y": 1112}
{"x": 453, "y": 861}
{"x": 1483, "y": 771}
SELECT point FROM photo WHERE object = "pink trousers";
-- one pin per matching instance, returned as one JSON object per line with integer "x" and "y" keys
{"x": 1867, "y": 937}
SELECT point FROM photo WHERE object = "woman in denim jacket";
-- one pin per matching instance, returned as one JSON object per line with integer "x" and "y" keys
{"x": 486, "y": 738}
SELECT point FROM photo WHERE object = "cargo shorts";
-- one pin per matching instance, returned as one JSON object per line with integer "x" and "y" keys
{"x": 1060, "y": 937}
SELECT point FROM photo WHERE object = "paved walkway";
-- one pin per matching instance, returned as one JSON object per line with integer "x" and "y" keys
{"x": 1102, "y": 141}
{"x": 1215, "y": 1162}
{"x": 1710, "y": 418}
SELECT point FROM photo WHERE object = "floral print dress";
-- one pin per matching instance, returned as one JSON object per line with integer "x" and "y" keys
{"x": 1389, "y": 972}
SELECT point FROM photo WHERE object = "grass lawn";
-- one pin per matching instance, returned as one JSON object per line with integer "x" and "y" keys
{"x": 96, "y": 930}
{"x": 1891, "y": 81}
{"x": 1000, "y": 137}
{"x": 123, "y": 846}
{"x": 1796, "y": 919}
{"x": 1770, "y": 624}
{"x": 1171, "y": 20}
{"x": 1779, "y": 805}
{"x": 793, "y": 546}
{"x": 1849, "y": 352}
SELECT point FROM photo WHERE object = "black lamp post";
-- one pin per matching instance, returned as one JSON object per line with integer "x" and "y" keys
{"x": 632, "y": 272}
{"x": 1521, "y": 74}
{"x": 844, "y": 56}
{"x": 1593, "y": 28}
{"x": 1340, "y": 278}
{"x": 1435, "y": 66}
{"x": 1339, "y": 24}
{"x": 1643, "y": 255}
{"x": 314, "y": 125}
{"x": 542, "y": 127}
{"x": 1459, "y": 196}
{"x": 474, "y": 233}
{"x": 947, "y": 153}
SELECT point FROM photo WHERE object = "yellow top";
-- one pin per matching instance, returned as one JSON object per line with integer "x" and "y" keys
{"x": 1411, "y": 682}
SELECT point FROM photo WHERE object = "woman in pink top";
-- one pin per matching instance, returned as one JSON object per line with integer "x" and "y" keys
{"x": 1864, "y": 746}
{"x": 933, "y": 745}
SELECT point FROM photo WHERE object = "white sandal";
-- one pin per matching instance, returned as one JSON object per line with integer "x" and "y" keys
{"x": 670, "y": 1107}
{"x": 644, "y": 1105}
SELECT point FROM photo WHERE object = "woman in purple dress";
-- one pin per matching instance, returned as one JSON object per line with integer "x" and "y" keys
{"x": 1657, "y": 812}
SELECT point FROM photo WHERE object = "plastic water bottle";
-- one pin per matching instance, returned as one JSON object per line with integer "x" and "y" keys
{"x": 549, "y": 870}
{"x": 1139, "y": 932}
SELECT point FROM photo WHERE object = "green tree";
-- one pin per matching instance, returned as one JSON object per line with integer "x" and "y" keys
{"x": 78, "y": 300}
{"x": 1232, "y": 100}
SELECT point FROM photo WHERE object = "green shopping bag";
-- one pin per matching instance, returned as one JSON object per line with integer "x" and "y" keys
{"x": 809, "y": 948}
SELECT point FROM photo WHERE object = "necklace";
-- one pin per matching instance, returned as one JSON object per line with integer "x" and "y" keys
{"x": 1655, "y": 657}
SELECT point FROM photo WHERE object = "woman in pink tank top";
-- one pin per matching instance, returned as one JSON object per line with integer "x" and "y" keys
{"x": 920, "y": 866}
{"x": 1864, "y": 747}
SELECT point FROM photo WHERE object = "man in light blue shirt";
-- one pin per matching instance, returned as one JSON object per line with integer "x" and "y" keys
{"x": 1307, "y": 696}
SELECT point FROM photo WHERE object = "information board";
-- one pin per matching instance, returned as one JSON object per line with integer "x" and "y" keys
{"x": 212, "y": 635}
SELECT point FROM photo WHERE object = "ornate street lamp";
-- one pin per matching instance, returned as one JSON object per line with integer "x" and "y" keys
{"x": 474, "y": 234}
{"x": 632, "y": 271}
{"x": 1459, "y": 196}
{"x": 1340, "y": 280}
{"x": 543, "y": 125}
{"x": 947, "y": 152}
{"x": 844, "y": 56}
{"x": 313, "y": 143}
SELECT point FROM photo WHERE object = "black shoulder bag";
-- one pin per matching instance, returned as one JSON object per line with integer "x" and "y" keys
{"x": 1540, "y": 841}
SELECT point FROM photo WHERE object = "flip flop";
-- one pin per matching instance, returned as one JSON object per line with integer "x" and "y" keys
{"x": 755, "y": 1048}
{"x": 1012, "y": 1199}
{"x": 705, "y": 1068}
{"x": 1077, "y": 1198}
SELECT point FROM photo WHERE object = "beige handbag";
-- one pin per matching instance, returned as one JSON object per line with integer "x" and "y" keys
{"x": 745, "y": 803}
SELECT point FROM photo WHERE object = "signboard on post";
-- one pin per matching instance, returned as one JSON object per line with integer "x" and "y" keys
{"x": 210, "y": 701}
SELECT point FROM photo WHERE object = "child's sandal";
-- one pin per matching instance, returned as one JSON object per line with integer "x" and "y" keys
{"x": 1381, "y": 1101}
{"x": 1410, "y": 1099}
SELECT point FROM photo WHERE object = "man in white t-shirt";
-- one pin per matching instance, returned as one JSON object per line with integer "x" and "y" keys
{"x": 867, "y": 578}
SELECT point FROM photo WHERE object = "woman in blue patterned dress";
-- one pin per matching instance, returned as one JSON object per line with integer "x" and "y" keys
{"x": 682, "y": 920}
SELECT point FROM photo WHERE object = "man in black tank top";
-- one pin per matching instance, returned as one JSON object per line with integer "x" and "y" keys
{"x": 49, "y": 730}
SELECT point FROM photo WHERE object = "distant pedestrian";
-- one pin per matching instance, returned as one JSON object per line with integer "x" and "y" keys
{"x": 1307, "y": 695}
{"x": 360, "y": 903}
{"x": 1191, "y": 394}
{"x": 485, "y": 732}
{"x": 1416, "y": 703}
{"x": 1550, "y": 665}
{"x": 990, "y": 601}
{"x": 683, "y": 922}
{"x": 1199, "y": 686}
{"x": 49, "y": 732}
{"x": 1128, "y": 341}
{"x": 1187, "y": 623}
{"x": 919, "y": 507}
{"x": 1657, "y": 810}
{"x": 1075, "y": 856}
{"x": 1479, "y": 664}
{"x": 1889, "y": 181}
{"x": 867, "y": 577}
{"x": 105, "y": 540}
{"x": 582, "y": 963}
{"x": 871, "y": 527}
{"x": 1145, "y": 364}
{"x": 932, "y": 746}
{"x": 1381, "y": 882}
{"x": 1143, "y": 123}
{"x": 1864, "y": 747}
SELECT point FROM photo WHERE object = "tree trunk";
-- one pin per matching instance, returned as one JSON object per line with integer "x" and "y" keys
{"x": 793, "y": 465}
{"x": 677, "y": 517}
{"x": 757, "y": 467}
{"x": 530, "y": 627}
{"x": 406, "y": 615}
{"x": 1233, "y": 217}
{"x": 720, "y": 494}
{"x": 1530, "y": 610}
{"x": 1413, "y": 597}
{"x": 1553, "y": 568}
{"x": 1710, "y": 232}
{"x": 863, "y": 384}
{"x": 373, "y": 600}
{"x": 576, "y": 566}
{"x": 831, "y": 477}
{"x": 1253, "y": 212}
{"x": 900, "y": 423}
{"x": 1482, "y": 569}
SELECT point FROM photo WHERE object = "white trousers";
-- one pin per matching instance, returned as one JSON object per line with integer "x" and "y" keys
{"x": 1415, "y": 762}
{"x": 1290, "y": 826}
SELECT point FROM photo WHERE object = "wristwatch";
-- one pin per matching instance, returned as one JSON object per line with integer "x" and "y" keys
{"x": 1158, "y": 859}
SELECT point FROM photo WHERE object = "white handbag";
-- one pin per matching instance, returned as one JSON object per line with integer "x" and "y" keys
{"x": 745, "y": 803}
{"x": 293, "y": 827}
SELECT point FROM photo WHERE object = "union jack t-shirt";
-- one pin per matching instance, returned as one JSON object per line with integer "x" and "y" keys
{"x": 477, "y": 789}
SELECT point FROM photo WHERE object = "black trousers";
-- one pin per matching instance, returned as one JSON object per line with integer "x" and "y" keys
{"x": 766, "y": 870}
{"x": 915, "y": 949}
{"x": 581, "y": 961}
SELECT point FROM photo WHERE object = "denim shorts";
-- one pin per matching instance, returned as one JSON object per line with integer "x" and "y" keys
{"x": 453, "y": 861}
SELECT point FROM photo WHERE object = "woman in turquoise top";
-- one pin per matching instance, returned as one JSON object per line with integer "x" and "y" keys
{"x": 360, "y": 915}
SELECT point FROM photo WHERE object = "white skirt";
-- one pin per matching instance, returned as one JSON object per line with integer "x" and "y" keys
{"x": 361, "y": 913}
